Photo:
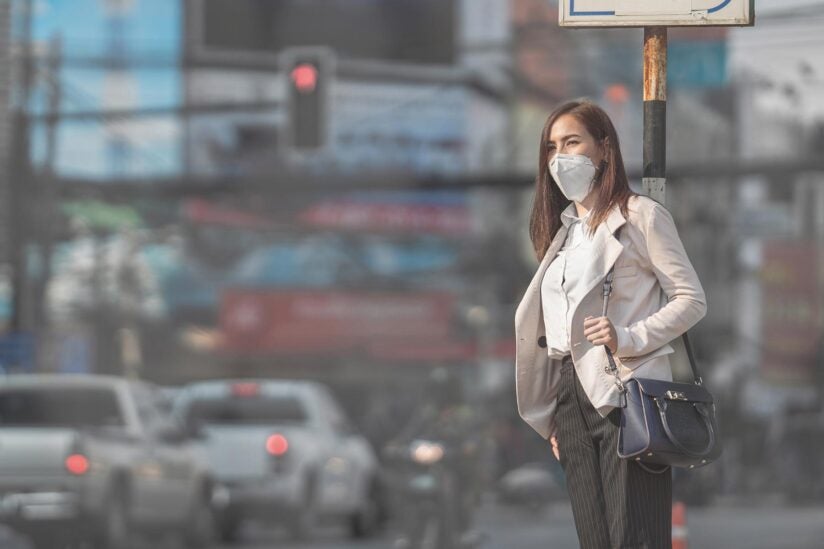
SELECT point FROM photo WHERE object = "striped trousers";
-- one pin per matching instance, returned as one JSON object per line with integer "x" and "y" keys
{"x": 615, "y": 503}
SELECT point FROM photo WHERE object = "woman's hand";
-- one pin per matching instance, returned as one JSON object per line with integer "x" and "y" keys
{"x": 600, "y": 331}
{"x": 554, "y": 442}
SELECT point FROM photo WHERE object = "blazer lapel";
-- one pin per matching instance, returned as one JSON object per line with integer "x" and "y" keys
{"x": 554, "y": 247}
{"x": 551, "y": 252}
{"x": 605, "y": 251}
{"x": 533, "y": 294}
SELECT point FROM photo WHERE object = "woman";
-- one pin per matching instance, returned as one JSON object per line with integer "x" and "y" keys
{"x": 586, "y": 221}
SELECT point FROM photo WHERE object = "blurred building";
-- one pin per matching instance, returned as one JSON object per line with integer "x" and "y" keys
{"x": 411, "y": 87}
{"x": 327, "y": 281}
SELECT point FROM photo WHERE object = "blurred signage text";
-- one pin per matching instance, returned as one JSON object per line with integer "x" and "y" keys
{"x": 350, "y": 215}
{"x": 254, "y": 321}
{"x": 642, "y": 13}
{"x": 791, "y": 315}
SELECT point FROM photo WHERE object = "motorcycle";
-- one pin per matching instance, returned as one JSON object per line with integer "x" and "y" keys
{"x": 431, "y": 511}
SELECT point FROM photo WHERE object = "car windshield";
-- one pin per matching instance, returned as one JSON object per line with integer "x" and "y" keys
{"x": 255, "y": 410}
{"x": 59, "y": 407}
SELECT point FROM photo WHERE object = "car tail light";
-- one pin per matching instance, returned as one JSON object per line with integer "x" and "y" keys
{"x": 77, "y": 464}
{"x": 245, "y": 389}
{"x": 277, "y": 445}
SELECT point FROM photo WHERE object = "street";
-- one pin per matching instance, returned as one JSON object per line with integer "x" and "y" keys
{"x": 729, "y": 526}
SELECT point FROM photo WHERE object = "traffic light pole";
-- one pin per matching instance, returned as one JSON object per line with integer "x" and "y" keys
{"x": 655, "y": 113}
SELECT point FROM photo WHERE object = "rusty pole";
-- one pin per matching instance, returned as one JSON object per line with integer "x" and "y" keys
{"x": 655, "y": 112}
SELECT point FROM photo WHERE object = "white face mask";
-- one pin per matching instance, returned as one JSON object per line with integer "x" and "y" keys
{"x": 574, "y": 174}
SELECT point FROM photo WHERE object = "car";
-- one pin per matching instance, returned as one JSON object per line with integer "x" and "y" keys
{"x": 88, "y": 458}
{"x": 285, "y": 452}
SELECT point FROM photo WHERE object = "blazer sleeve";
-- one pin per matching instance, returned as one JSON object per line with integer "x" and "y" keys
{"x": 686, "y": 302}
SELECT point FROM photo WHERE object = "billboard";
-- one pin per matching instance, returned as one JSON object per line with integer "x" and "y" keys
{"x": 322, "y": 322}
{"x": 373, "y": 126}
{"x": 790, "y": 314}
{"x": 354, "y": 215}
{"x": 415, "y": 31}
{"x": 411, "y": 127}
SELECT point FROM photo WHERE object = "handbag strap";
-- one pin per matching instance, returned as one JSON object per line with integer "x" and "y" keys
{"x": 611, "y": 367}
{"x": 693, "y": 363}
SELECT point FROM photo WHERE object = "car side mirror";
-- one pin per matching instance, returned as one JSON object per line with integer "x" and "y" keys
{"x": 171, "y": 434}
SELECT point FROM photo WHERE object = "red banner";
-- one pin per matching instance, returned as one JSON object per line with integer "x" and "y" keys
{"x": 204, "y": 212}
{"x": 346, "y": 215}
{"x": 322, "y": 322}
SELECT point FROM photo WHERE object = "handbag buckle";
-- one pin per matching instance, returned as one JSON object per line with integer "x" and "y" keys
{"x": 675, "y": 395}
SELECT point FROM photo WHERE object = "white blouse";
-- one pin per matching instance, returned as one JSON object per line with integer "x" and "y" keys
{"x": 562, "y": 287}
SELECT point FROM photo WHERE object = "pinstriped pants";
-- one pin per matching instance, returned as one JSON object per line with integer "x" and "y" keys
{"x": 615, "y": 503}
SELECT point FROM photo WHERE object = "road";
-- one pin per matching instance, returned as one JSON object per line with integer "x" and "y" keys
{"x": 731, "y": 526}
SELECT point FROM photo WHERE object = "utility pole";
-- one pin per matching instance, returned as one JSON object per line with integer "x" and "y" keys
{"x": 45, "y": 212}
{"x": 6, "y": 84}
{"x": 655, "y": 113}
{"x": 20, "y": 175}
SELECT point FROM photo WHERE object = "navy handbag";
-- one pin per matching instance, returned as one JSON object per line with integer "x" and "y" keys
{"x": 665, "y": 423}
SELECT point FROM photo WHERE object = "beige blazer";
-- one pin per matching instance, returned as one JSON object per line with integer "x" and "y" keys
{"x": 656, "y": 297}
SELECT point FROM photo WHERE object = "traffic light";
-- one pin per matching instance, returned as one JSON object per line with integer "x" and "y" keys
{"x": 307, "y": 76}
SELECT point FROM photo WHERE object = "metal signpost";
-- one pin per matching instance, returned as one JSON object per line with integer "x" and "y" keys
{"x": 655, "y": 16}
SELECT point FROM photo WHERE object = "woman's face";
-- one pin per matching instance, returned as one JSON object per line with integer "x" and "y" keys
{"x": 569, "y": 136}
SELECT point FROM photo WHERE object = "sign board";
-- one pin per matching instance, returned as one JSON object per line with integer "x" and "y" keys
{"x": 652, "y": 13}
{"x": 319, "y": 322}
{"x": 389, "y": 217}
{"x": 697, "y": 64}
{"x": 790, "y": 316}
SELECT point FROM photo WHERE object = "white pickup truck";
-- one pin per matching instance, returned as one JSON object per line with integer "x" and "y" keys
{"x": 93, "y": 458}
{"x": 284, "y": 452}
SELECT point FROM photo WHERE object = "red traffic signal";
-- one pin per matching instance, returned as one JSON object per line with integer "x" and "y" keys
{"x": 305, "y": 77}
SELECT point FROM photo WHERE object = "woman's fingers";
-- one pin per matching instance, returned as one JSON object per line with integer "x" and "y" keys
{"x": 555, "y": 452}
{"x": 595, "y": 324}
{"x": 601, "y": 334}
{"x": 599, "y": 331}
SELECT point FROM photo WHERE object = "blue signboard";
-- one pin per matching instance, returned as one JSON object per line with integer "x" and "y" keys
{"x": 697, "y": 64}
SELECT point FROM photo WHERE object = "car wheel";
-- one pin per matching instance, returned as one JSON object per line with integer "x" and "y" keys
{"x": 366, "y": 521}
{"x": 201, "y": 532}
{"x": 115, "y": 532}
{"x": 305, "y": 519}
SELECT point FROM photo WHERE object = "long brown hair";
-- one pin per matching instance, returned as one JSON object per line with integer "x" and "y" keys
{"x": 611, "y": 181}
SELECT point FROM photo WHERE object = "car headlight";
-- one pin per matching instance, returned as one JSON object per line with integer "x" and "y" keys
{"x": 427, "y": 453}
{"x": 337, "y": 465}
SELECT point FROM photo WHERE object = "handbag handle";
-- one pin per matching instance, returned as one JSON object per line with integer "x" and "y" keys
{"x": 613, "y": 369}
{"x": 662, "y": 410}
